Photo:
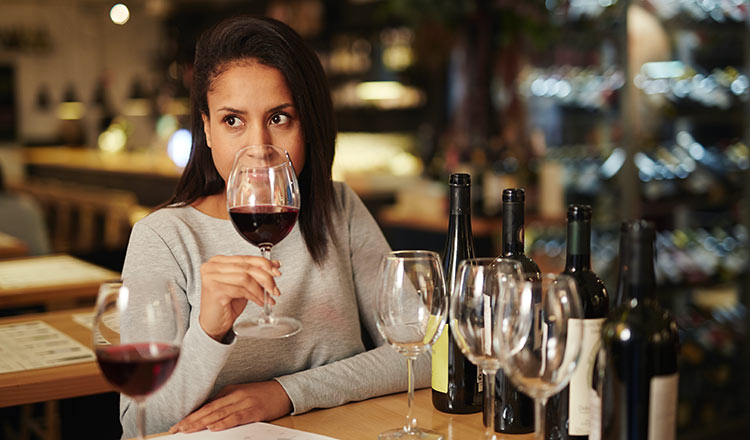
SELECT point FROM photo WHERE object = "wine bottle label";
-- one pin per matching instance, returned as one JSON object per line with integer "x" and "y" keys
{"x": 440, "y": 362}
{"x": 662, "y": 407}
{"x": 579, "y": 409}
{"x": 595, "y": 411}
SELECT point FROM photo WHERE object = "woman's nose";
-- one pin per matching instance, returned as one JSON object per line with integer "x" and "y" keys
{"x": 257, "y": 134}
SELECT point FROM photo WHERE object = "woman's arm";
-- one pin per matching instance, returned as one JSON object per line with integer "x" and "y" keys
{"x": 149, "y": 257}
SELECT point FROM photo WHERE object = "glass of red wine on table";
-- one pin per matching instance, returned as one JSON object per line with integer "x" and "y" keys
{"x": 137, "y": 334}
{"x": 263, "y": 200}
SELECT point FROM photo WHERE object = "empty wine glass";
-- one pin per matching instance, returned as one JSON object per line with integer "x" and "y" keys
{"x": 552, "y": 342}
{"x": 137, "y": 334}
{"x": 263, "y": 200}
{"x": 410, "y": 314}
{"x": 485, "y": 290}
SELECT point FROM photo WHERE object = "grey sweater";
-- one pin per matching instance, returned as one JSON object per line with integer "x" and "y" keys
{"x": 322, "y": 366}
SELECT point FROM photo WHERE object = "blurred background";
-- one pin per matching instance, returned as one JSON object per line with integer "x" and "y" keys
{"x": 639, "y": 108}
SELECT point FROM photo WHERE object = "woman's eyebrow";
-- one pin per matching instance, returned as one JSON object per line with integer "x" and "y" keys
{"x": 279, "y": 107}
{"x": 231, "y": 110}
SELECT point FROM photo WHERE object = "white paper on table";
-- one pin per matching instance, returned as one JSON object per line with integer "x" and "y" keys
{"x": 36, "y": 344}
{"x": 251, "y": 431}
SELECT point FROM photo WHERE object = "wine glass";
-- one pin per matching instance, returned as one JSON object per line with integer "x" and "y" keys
{"x": 552, "y": 334}
{"x": 263, "y": 200}
{"x": 484, "y": 301}
{"x": 410, "y": 313}
{"x": 137, "y": 335}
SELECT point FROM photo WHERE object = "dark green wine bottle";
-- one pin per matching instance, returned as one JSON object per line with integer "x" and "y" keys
{"x": 456, "y": 382}
{"x": 514, "y": 411}
{"x": 568, "y": 413}
{"x": 640, "y": 345}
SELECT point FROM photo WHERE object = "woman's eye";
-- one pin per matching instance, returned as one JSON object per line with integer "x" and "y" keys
{"x": 232, "y": 121}
{"x": 279, "y": 119}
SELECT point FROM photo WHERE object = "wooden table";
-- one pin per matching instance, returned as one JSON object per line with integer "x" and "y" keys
{"x": 367, "y": 419}
{"x": 49, "y": 280}
{"x": 12, "y": 247}
{"x": 61, "y": 382}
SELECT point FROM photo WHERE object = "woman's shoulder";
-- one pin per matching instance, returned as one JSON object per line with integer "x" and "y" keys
{"x": 344, "y": 194}
{"x": 173, "y": 217}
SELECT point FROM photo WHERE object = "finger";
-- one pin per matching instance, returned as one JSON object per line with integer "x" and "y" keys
{"x": 265, "y": 279}
{"x": 232, "y": 421}
{"x": 211, "y": 419}
{"x": 200, "y": 418}
{"x": 241, "y": 286}
{"x": 271, "y": 266}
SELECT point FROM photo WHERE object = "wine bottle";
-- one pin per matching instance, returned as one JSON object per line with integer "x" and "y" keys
{"x": 568, "y": 414}
{"x": 622, "y": 275}
{"x": 640, "y": 344}
{"x": 456, "y": 382}
{"x": 514, "y": 411}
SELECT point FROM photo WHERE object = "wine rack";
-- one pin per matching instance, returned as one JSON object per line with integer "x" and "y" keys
{"x": 670, "y": 134}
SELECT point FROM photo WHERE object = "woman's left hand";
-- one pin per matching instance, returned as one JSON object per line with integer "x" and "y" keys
{"x": 237, "y": 405}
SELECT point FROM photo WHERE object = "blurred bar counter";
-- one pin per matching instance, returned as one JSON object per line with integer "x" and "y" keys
{"x": 151, "y": 176}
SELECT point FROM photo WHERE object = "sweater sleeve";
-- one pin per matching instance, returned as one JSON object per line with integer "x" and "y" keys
{"x": 371, "y": 373}
{"x": 150, "y": 259}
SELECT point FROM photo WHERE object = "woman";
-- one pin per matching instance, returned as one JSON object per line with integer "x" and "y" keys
{"x": 255, "y": 81}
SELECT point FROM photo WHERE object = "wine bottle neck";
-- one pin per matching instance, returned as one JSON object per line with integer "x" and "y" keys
{"x": 637, "y": 277}
{"x": 513, "y": 228}
{"x": 459, "y": 243}
{"x": 460, "y": 202}
{"x": 578, "y": 250}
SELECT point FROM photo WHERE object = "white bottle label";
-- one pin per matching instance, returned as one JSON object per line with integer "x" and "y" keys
{"x": 595, "y": 409}
{"x": 580, "y": 383}
{"x": 662, "y": 407}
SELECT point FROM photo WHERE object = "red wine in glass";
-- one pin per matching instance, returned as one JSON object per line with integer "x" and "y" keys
{"x": 137, "y": 332}
{"x": 263, "y": 202}
{"x": 263, "y": 224}
{"x": 137, "y": 370}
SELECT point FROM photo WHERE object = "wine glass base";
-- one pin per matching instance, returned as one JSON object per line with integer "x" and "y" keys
{"x": 415, "y": 434}
{"x": 281, "y": 327}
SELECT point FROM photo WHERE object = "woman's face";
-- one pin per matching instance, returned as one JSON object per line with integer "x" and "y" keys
{"x": 250, "y": 103}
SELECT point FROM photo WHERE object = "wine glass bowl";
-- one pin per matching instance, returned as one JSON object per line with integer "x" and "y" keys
{"x": 137, "y": 333}
{"x": 263, "y": 201}
{"x": 552, "y": 336}
{"x": 410, "y": 314}
{"x": 485, "y": 289}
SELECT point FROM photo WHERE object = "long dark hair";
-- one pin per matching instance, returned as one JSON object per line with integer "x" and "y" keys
{"x": 276, "y": 45}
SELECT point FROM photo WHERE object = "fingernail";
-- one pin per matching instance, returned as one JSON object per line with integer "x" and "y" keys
{"x": 276, "y": 291}
{"x": 277, "y": 262}
{"x": 210, "y": 427}
{"x": 277, "y": 272}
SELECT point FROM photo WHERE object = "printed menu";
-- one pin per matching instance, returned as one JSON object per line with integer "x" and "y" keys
{"x": 36, "y": 344}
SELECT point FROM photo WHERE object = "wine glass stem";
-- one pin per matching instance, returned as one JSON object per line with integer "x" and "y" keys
{"x": 140, "y": 419}
{"x": 265, "y": 251}
{"x": 540, "y": 417}
{"x": 411, "y": 422}
{"x": 489, "y": 404}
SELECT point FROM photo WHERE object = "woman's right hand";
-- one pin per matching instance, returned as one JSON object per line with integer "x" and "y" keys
{"x": 227, "y": 284}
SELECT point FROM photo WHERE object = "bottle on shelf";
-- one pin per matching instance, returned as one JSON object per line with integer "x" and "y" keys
{"x": 514, "y": 411}
{"x": 456, "y": 382}
{"x": 568, "y": 413}
{"x": 640, "y": 346}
